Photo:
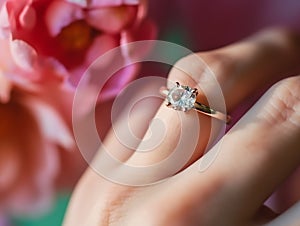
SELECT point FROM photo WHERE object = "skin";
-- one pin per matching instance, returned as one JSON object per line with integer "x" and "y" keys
{"x": 255, "y": 157}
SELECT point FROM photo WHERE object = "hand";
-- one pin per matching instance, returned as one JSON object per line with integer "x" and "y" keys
{"x": 255, "y": 157}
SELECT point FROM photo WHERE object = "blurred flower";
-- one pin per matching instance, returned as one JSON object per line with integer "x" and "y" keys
{"x": 38, "y": 155}
{"x": 46, "y": 46}
{"x": 32, "y": 134}
{"x": 57, "y": 40}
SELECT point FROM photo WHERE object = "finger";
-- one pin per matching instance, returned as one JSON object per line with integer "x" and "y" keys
{"x": 253, "y": 63}
{"x": 264, "y": 215}
{"x": 254, "y": 157}
{"x": 287, "y": 194}
{"x": 288, "y": 218}
{"x": 240, "y": 69}
{"x": 130, "y": 118}
{"x": 94, "y": 194}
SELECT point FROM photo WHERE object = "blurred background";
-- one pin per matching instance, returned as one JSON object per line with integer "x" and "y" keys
{"x": 199, "y": 25}
{"x": 203, "y": 25}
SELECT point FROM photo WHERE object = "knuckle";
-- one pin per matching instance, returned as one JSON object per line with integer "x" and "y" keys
{"x": 193, "y": 69}
{"x": 184, "y": 62}
{"x": 205, "y": 66}
{"x": 288, "y": 91}
{"x": 182, "y": 70}
{"x": 285, "y": 103}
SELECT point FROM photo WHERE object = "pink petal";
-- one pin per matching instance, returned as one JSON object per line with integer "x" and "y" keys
{"x": 18, "y": 79}
{"x": 76, "y": 75}
{"x": 35, "y": 68}
{"x": 87, "y": 99}
{"x": 5, "y": 89}
{"x": 142, "y": 10}
{"x": 4, "y": 22}
{"x": 82, "y": 3}
{"x": 60, "y": 14}
{"x": 10, "y": 162}
{"x": 2, "y": 2}
{"x": 51, "y": 124}
{"x": 14, "y": 8}
{"x": 145, "y": 31}
{"x": 50, "y": 71}
{"x": 101, "y": 44}
{"x": 50, "y": 163}
{"x": 27, "y": 17}
{"x": 109, "y": 3}
{"x": 26, "y": 147}
{"x": 118, "y": 81}
{"x": 6, "y": 61}
{"x": 112, "y": 19}
{"x": 35, "y": 193}
{"x": 23, "y": 54}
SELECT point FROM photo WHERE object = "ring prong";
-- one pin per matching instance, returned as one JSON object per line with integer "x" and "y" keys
{"x": 168, "y": 104}
{"x": 195, "y": 91}
{"x": 177, "y": 84}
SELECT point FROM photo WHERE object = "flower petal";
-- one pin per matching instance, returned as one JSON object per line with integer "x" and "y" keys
{"x": 23, "y": 54}
{"x": 144, "y": 31}
{"x": 142, "y": 11}
{"x": 60, "y": 14}
{"x": 109, "y": 3}
{"x": 4, "y": 22}
{"x": 112, "y": 19}
{"x": 10, "y": 162}
{"x": 83, "y": 3}
{"x": 51, "y": 124}
{"x": 27, "y": 17}
{"x": 101, "y": 44}
{"x": 35, "y": 193}
{"x": 50, "y": 71}
{"x": 118, "y": 81}
{"x": 5, "y": 89}
{"x": 50, "y": 165}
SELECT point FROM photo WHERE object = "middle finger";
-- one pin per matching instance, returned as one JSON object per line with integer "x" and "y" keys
{"x": 241, "y": 69}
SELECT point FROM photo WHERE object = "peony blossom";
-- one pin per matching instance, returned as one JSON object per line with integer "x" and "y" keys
{"x": 56, "y": 40}
{"x": 46, "y": 46}
{"x": 33, "y": 134}
{"x": 38, "y": 155}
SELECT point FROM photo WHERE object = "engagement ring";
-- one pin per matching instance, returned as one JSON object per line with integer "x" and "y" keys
{"x": 183, "y": 98}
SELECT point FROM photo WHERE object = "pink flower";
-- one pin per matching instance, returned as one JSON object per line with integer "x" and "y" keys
{"x": 38, "y": 155}
{"x": 34, "y": 139}
{"x": 47, "y": 44}
{"x": 58, "y": 39}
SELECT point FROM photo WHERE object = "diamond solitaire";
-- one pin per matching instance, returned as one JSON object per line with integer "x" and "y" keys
{"x": 181, "y": 97}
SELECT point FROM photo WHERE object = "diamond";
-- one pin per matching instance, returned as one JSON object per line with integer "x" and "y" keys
{"x": 181, "y": 97}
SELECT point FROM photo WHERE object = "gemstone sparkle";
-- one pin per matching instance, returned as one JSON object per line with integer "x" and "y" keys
{"x": 181, "y": 97}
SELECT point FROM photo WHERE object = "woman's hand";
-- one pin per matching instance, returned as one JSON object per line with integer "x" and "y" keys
{"x": 255, "y": 156}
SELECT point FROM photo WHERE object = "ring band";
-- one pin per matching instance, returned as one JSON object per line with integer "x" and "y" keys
{"x": 183, "y": 98}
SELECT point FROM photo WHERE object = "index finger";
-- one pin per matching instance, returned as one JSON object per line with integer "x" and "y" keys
{"x": 257, "y": 155}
